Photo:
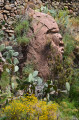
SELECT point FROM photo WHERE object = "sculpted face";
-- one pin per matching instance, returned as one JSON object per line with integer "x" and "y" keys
{"x": 56, "y": 41}
{"x": 45, "y": 31}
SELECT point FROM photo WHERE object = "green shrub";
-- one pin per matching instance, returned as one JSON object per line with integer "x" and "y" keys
{"x": 69, "y": 43}
{"x": 74, "y": 92}
{"x": 23, "y": 40}
{"x": 21, "y": 28}
{"x": 75, "y": 21}
{"x": 68, "y": 110}
{"x": 30, "y": 108}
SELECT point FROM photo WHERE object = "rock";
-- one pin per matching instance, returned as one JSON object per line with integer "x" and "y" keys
{"x": 12, "y": 5}
{"x": 19, "y": 93}
{"x": 1, "y": 16}
{"x": 3, "y": 28}
{"x": 15, "y": 12}
{"x": 70, "y": 11}
{"x": 11, "y": 34}
{"x": 9, "y": 31}
{"x": 12, "y": 15}
{"x": 46, "y": 42}
{"x": 5, "y": 11}
{"x": 1, "y": 3}
{"x": 10, "y": 22}
{"x": 74, "y": 118}
{"x": 5, "y": 16}
{"x": 7, "y": 7}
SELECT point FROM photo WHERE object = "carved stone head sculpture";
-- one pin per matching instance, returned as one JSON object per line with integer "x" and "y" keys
{"x": 46, "y": 42}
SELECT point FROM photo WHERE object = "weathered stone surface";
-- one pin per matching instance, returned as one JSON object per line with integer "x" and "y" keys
{"x": 5, "y": 16}
{"x": 1, "y": 16}
{"x": 9, "y": 31}
{"x": 46, "y": 37}
{"x": 10, "y": 9}
{"x": 1, "y": 3}
{"x": 7, "y": 7}
{"x": 6, "y": 11}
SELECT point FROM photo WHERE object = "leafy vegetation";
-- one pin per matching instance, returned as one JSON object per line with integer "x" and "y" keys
{"x": 63, "y": 83}
{"x": 69, "y": 111}
{"x": 31, "y": 108}
{"x": 20, "y": 32}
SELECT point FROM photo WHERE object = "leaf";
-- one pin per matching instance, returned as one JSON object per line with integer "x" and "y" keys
{"x": 18, "y": 81}
{"x": 35, "y": 73}
{"x": 9, "y": 47}
{"x": 8, "y": 92}
{"x": 3, "y": 118}
{"x": 5, "y": 53}
{"x": 11, "y": 53}
{"x": 2, "y": 47}
{"x": 64, "y": 91}
{"x": 16, "y": 61}
{"x": 39, "y": 80}
{"x": 30, "y": 77}
{"x": 45, "y": 85}
{"x": 7, "y": 70}
{"x": 16, "y": 68}
{"x": 13, "y": 85}
{"x": 67, "y": 86}
{"x": 9, "y": 61}
{"x": 48, "y": 96}
{"x": 48, "y": 82}
{"x": 15, "y": 54}
{"x": 12, "y": 67}
{"x": 26, "y": 83}
{"x": 55, "y": 87}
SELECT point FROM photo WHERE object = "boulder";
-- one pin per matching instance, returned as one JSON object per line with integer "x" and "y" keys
{"x": 46, "y": 42}
{"x": 1, "y": 16}
{"x": 1, "y": 3}
{"x": 7, "y": 7}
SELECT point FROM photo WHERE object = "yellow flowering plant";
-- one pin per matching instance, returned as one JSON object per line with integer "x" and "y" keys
{"x": 30, "y": 108}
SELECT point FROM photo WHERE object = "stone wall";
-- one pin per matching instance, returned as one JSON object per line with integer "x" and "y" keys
{"x": 72, "y": 6}
{"x": 9, "y": 9}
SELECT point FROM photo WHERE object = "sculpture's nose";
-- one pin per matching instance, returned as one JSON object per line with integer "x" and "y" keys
{"x": 61, "y": 43}
{"x": 60, "y": 37}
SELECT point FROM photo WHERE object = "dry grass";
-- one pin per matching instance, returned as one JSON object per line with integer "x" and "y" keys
{"x": 75, "y": 21}
{"x": 77, "y": 38}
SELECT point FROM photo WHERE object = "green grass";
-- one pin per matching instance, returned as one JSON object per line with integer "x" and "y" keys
{"x": 75, "y": 21}
{"x": 21, "y": 27}
{"x": 23, "y": 40}
{"x": 68, "y": 110}
{"x": 69, "y": 44}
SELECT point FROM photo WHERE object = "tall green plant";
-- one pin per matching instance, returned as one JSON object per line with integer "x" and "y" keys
{"x": 69, "y": 43}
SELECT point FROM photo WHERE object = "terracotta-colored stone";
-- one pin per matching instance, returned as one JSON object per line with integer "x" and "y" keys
{"x": 1, "y": 16}
{"x": 7, "y": 7}
{"x": 12, "y": 15}
{"x": 46, "y": 42}
{"x": 9, "y": 31}
{"x": 6, "y": 11}
{"x": 5, "y": 16}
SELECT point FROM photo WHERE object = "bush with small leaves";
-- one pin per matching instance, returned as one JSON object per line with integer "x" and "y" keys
{"x": 30, "y": 108}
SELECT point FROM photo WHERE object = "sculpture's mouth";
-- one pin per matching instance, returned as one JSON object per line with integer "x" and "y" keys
{"x": 61, "y": 46}
{"x": 62, "y": 50}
